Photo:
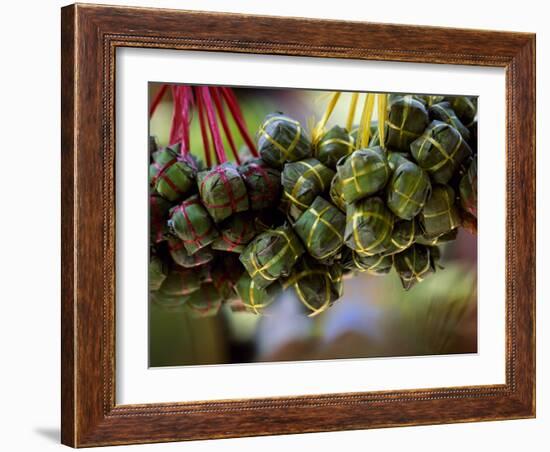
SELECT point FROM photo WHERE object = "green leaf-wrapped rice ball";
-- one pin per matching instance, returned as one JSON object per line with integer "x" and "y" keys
{"x": 181, "y": 256}
{"x": 235, "y": 233}
{"x": 369, "y": 226}
{"x": 429, "y": 100}
{"x": 263, "y": 183}
{"x": 222, "y": 191}
{"x": 444, "y": 113}
{"x": 408, "y": 188}
{"x": 225, "y": 274}
{"x": 302, "y": 181}
{"x": 465, "y": 108}
{"x": 317, "y": 286}
{"x": 440, "y": 214}
{"x": 406, "y": 121}
{"x": 440, "y": 150}
{"x": 375, "y": 265}
{"x": 157, "y": 273}
{"x": 363, "y": 173}
{"x": 403, "y": 236}
{"x": 181, "y": 282}
{"x": 158, "y": 210}
{"x": 192, "y": 224}
{"x": 254, "y": 298}
{"x": 271, "y": 255}
{"x": 282, "y": 139}
{"x": 321, "y": 228}
{"x": 399, "y": 96}
{"x": 415, "y": 264}
{"x": 468, "y": 189}
{"x": 333, "y": 145}
{"x": 205, "y": 302}
{"x": 438, "y": 240}
{"x": 171, "y": 174}
{"x": 268, "y": 219}
{"x": 336, "y": 194}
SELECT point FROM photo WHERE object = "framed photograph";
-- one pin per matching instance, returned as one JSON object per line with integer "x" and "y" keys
{"x": 276, "y": 225}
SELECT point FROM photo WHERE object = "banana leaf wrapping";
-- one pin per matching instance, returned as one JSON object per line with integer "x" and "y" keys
{"x": 333, "y": 145}
{"x": 403, "y": 236}
{"x": 302, "y": 181}
{"x": 262, "y": 182}
{"x": 225, "y": 274}
{"x": 465, "y": 108}
{"x": 415, "y": 264}
{"x": 181, "y": 282}
{"x": 222, "y": 191}
{"x": 158, "y": 210}
{"x": 254, "y": 298}
{"x": 420, "y": 98}
{"x": 363, "y": 173}
{"x": 317, "y": 286}
{"x": 408, "y": 188}
{"x": 171, "y": 174}
{"x": 206, "y": 273}
{"x": 180, "y": 256}
{"x": 235, "y": 233}
{"x": 440, "y": 214}
{"x": 190, "y": 222}
{"x": 271, "y": 255}
{"x": 336, "y": 194}
{"x": 443, "y": 112}
{"x": 440, "y": 150}
{"x": 468, "y": 189}
{"x": 321, "y": 228}
{"x": 205, "y": 302}
{"x": 282, "y": 139}
{"x": 268, "y": 219}
{"x": 369, "y": 226}
{"x": 438, "y": 240}
{"x": 157, "y": 273}
{"x": 407, "y": 119}
{"x": 430, "y": 100}
{"x": 375, "y": 265}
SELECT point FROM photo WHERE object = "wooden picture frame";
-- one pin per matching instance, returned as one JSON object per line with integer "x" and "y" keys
{"x": 90, "y": 36}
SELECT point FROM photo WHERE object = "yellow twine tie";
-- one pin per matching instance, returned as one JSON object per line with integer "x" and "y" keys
{"x": 382, "y": 102}
{"x": 319, "y": 129}
{"x": 351, "y": 112}
{"x": 363, "y": 134}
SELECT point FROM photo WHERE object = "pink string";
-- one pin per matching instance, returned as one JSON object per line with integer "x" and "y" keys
{"x": 223, "y": 119}
{"x": 186, "y": 97}
{"x": 202, "y": 124}
{"x": 214, "y": 130}
{"x": 157, "y": 99}
{"x": 233, "y": 105}
{"x": 176, "y": 116}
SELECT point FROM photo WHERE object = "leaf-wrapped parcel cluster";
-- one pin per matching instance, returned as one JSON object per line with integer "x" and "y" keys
{"x": 305, "y": 214}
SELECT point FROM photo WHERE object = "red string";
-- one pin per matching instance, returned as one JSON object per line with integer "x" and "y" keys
{"x": 214, "y": 130}
{"x": 157, "y": 99}
{"x": 202, "y": 122}
{"x": 186, "y": 98}
{"x": 223, "y": 119}
{"x": 176, "y": 116}
{"x": 235, "y": 110}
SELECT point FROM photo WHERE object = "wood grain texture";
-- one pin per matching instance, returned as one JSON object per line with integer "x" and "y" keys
{"x": 90, "y": 36}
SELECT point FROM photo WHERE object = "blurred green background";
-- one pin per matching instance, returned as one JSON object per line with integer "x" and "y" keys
{"x": 374, "y": 318}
